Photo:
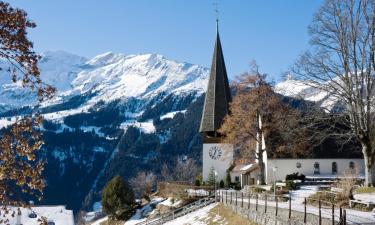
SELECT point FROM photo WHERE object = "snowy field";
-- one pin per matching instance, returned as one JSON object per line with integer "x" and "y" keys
{"x": 196, "y": 218}
{"x": 57, "y": 214}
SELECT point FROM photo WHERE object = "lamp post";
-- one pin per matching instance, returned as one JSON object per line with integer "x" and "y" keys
{"x": 274, "y": 180}
{"x": 215, "y": 186}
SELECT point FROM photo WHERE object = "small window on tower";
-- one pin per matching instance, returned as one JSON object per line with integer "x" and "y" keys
{"x": 351, "y": 165}
{"x": 237, "y": 178}
{"x": 316, "y": 168}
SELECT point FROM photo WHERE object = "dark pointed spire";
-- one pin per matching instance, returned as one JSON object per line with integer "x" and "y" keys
{"x": 218, "y": 96}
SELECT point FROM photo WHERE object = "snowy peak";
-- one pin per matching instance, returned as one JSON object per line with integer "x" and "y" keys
{"x": 60, "y": 68}
{"x": 104, "y": 59}
{"x": 109, "y": 76}
{"x": 116, "y": 75}
{"x": 302, "y": 90}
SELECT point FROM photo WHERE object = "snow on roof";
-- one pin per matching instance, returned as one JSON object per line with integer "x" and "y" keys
{"x": 57, "y": 214}
{"x": 245, "y": 167}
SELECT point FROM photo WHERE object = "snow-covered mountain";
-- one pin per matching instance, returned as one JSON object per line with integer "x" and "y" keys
{"x": 110, "y": 110}
{"x": 106, "y": 77}
{"x": 302, "y": 90}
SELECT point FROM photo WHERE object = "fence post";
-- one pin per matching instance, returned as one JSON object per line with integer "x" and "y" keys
{"x": 290, "y": 205}
{"x": 344, "y": 215}
{"x": 248, "y": 203}
{"x": 236, "y": 199}
{"x": 256, "y": 204}
{"x": 231, "y": 198}
{"x": 277, "y": 204}
{"x": 340, "y": 214}
{"x": 305, "y": 215}
{"x": 333, "y": 214}
{"x": 265, "y": 203}
{"x": 320, "y": 212}
{"x": 242, "y": 200}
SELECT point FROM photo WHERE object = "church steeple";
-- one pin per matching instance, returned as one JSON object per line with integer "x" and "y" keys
{"x": 218, "y": 96}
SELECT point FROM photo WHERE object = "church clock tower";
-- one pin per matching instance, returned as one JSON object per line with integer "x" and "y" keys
{"x": 217, "y": 156}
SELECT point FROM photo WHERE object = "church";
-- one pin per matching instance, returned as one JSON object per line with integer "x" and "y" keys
{"x": 218, "y": 157}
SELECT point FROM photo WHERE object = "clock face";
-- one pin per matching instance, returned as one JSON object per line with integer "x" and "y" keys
{"x": 215, "y": 152}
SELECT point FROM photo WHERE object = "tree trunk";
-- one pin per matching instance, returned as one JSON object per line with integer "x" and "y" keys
{"x": 262, "y": 174}
{"x": 369, "y": 165}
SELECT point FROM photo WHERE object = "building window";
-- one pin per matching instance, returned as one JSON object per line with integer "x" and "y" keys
{"x": 351, "y": 165}
{"x": 298, "y": 165}
{"x": 316, "y": 168}
{"x": 237, "y": 178}
{"x": 334, "y": 168}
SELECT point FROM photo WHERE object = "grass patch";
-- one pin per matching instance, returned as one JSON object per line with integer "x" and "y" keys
{"x": 220, "y": 215}
{"x": 362, "y": 190}
{"x": 327, "y": 198}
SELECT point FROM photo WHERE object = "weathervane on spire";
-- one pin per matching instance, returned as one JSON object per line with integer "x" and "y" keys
{"x": 216, "y": 5}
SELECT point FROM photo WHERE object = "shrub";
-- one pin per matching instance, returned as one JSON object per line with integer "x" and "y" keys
{"x": 290, "y": 185}
{"x": 237, "y": 186}
{"x": 257, "y": 189}
{"x": 221, "y": 184}
{"x": 295, "y": 176}
{"x": 118, "y": 199}
{"x": 197, "y": 182}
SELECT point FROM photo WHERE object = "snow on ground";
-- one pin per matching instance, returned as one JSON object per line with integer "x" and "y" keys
{"x": 7, "y": 121}
{"x": 171, "y": 115}
{"x": 170, "y": 202}
{"x": 60, "y": 115}
{"x": 141, "y": 214}
{"x": 304, "y": 192}
{"x": 57, "y": 214}
{"x": 198, "y": 192}
{"x": 146, "y": 127}
{"x": 100, "y": 221}
{"x": 196, "y": 217}
{"x": 91, "y": 128}
{"x": 365, "y": 197}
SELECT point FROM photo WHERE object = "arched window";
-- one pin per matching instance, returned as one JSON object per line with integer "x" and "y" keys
{"x": 298, "y": 165}
{"x": 316, "y": 168}
{"x": 334, "y": 168}
{"x": 351, "y": 165}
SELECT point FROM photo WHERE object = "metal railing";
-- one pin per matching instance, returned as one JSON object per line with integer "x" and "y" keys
{"x": 179, "y": 212}
{"x": 266, "y": 209}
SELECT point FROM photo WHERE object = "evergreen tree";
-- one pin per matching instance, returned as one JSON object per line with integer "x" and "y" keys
{"x": 228, "y": 180}
{"x": 118, "y": 199}
{"x": 221, "y": 184}
{"x": 211, "y": 177}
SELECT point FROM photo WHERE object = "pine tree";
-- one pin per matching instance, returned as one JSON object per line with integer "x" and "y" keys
{"x": 118, "y": 199}
{"x": 228, "y": 180}
{"x": 211, "y": 177}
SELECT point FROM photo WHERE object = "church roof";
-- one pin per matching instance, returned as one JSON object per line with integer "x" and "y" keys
{"x": 218, "y": 96}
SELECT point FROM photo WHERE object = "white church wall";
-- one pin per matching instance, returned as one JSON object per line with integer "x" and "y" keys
{"x": 288, "y": 166}
{"x": 218, "y": 156}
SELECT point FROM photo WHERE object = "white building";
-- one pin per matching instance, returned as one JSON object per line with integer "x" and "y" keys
{"x": 277, "y": 169}
{"x": 313, "y": 168}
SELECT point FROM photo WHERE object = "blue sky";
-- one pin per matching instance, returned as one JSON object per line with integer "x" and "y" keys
{"x": 272, "y": 32}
